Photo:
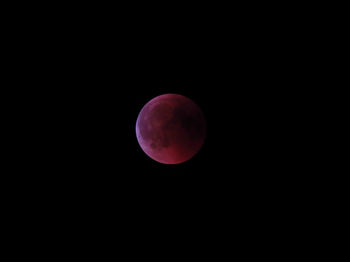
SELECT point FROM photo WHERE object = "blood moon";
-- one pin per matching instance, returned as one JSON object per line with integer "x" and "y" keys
{"x": 170, "y": 128}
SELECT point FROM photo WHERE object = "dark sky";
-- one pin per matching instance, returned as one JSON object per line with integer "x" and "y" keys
{"x": 237, "y": 85}
{"x": 104, "y": 71}
{"x": 97, "y": 72}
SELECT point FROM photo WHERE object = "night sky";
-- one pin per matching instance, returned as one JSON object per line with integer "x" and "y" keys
{"x": 104, "y": 75}
{"x": 238, "y": 89}
{"x": 95, "y": 77}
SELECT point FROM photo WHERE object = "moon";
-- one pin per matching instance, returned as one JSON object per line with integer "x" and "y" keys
{"x": 171, "y": 129}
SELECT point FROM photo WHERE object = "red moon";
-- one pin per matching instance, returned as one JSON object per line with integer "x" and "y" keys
{"x": 170, "y": 129}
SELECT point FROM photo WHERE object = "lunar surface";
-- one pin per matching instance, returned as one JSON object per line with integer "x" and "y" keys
{"x": 170, "y": 129}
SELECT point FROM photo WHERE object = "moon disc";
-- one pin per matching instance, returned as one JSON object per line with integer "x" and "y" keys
{"x": 170, "y": 128}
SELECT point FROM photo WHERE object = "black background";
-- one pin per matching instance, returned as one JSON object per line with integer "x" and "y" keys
{"x": 94, "y": 70}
